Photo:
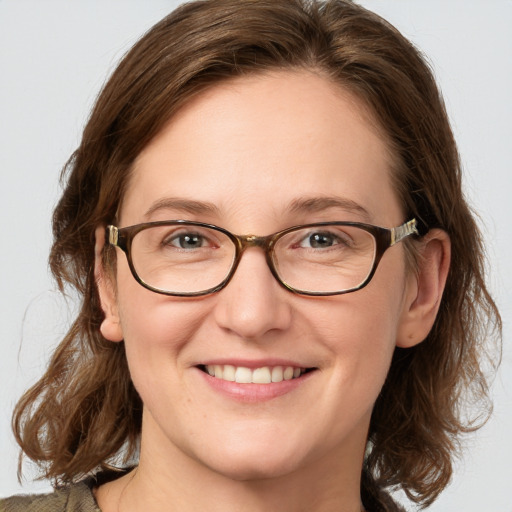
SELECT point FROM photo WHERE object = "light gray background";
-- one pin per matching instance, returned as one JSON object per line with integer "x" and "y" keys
{"x": 55, "y": 55}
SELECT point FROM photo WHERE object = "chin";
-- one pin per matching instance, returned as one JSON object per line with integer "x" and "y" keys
{"x": 255, "y": 462}
{"x": 263, "y": 469}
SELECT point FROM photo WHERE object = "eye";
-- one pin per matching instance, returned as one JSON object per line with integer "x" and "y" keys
{"x": 187, "y": 241}
{"x": 322, "y": 240}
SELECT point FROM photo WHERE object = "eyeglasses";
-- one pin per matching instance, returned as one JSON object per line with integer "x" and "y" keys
{"x": 190, "y": 259}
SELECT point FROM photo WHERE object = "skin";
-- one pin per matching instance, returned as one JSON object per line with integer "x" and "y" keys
{"x": 239, "y": 146}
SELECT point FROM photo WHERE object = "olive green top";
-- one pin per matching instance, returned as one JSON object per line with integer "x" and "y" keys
{"x": 75, "y": 498}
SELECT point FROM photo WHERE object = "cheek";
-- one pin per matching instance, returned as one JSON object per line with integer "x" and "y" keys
{"x": 156, "y": 329}
{"x": 156, "y": 337}
{"x": 360, "y": 340}
{"x": 151, "y": 324}
{"x": 360, "y": 329}
{"x": 362, "y": 321}
{"x": 150, "y": 319}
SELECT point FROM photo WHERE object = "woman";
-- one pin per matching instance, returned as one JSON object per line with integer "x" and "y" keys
{"x": 307, "y": 370}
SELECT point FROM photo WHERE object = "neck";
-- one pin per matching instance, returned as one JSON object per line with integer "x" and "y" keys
{"x": 169, "y": 479}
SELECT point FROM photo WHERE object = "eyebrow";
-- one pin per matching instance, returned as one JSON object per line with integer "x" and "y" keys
{"x": 182, "y": 205}
{"x": 301, "y": 205}
{"x": 317, "y": 204}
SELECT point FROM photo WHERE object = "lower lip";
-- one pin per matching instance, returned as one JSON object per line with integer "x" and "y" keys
{"x": 254, "y": 392}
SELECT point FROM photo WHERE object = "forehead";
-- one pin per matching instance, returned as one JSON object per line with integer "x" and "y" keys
{"x": 256, "y": 144}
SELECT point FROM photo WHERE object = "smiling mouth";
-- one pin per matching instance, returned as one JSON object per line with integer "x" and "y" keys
{"x": 263, "y": 375}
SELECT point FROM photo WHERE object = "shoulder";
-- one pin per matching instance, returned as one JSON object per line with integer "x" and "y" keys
{"x": 75, "y": 498}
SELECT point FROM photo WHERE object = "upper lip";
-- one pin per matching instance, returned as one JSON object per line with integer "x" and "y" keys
{"x": 253, "y": 363}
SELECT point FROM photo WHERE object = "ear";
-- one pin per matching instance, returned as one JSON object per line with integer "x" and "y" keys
{"x": 425, "y": 289}
{"x": 111, "y": 326}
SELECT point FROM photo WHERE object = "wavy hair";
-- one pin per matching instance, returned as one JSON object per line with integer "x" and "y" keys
{"x": 84, "y": 414}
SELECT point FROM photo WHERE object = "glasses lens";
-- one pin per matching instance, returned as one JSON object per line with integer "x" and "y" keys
{"x": 182, "y": 258}
{"x": 325, "y": 259}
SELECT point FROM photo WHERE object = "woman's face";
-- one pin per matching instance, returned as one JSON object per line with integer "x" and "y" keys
{"x": 249, "y": 155}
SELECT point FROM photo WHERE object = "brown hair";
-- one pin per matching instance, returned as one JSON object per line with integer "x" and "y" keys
{"x": 84, "y": 413}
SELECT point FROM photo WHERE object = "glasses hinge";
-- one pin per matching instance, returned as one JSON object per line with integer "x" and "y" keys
{"x": 113, "y": 235}
{"x": 399, "y": 233}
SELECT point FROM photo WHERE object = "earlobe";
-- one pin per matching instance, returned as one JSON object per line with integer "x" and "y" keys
{"x": 425, "y": 289}
{"x": 110, "y": 326}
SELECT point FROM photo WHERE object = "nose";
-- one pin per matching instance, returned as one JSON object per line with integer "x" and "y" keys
{"x": 253, "y": 304}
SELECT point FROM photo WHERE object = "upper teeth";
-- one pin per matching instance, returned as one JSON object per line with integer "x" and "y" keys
{"x": 263, "y": 375}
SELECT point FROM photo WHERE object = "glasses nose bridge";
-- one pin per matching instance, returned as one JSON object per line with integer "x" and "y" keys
{"x": 262, "y": 242}
{"x": 247, "y": 241}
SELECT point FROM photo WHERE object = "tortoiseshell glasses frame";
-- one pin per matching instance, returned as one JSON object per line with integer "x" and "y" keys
{"x": 326, "y": 259}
